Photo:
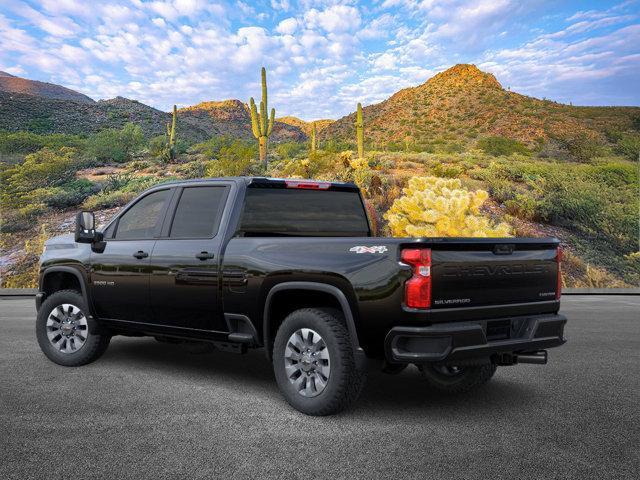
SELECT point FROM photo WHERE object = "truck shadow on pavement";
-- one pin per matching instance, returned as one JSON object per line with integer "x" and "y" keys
{"x": 253, "y": 373}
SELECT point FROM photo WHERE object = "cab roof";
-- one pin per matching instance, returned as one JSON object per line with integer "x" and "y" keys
{"x": 269, "y": 182}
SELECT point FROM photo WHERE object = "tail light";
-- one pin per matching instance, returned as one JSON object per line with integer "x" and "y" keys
{"x": 559, "y": 262}
{"x": 417, "y": 290}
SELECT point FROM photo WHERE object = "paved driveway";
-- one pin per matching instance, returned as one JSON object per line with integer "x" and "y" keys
{"x": 149, "y": 410}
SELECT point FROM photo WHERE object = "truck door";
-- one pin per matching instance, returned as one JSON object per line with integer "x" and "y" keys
{"x": 120, "y": 273}
{"x": 185, "y": 264}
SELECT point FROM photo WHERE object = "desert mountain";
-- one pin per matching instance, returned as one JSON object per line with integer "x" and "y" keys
{"x": 232, "y": 117}
{"x": 48, "y": 108}
{"x": 458, "y": 105}
{"x": 463, "y": 103}
{"x": 20, "y": 111}
{"x": 12, "y": 84}
{"x": 305, "y": 126}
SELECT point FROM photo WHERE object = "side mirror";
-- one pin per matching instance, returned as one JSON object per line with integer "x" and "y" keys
{"x": 86, "y": 228}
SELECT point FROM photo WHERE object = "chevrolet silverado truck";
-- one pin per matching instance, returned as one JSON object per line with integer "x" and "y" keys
{"x": 291, "y": 266}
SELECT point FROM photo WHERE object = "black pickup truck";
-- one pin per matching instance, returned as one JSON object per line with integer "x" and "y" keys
{"x": 291, "y": 266}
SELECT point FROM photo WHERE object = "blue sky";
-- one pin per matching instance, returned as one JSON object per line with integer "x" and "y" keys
{"x": 322, "y": 56}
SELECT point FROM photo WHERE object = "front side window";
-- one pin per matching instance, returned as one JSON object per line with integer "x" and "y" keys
{"x": 198, "y": 212}
{"x": 141, "y": 220}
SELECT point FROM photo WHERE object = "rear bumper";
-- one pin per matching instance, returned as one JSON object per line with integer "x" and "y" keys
{"x": 461, "y": 341}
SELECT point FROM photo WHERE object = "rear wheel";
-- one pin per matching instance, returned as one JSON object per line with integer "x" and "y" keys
{"x": 314, "y": 362}
{"x": 65, "y": 333}
{"x": 453, "y": 379}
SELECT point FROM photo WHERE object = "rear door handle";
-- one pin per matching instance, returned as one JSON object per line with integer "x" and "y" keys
{"x": 204, "y": 256}
{"x": 140, "y": 254}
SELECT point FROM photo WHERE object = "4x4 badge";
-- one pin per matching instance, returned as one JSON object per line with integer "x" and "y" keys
{"x": 364, "y": 249}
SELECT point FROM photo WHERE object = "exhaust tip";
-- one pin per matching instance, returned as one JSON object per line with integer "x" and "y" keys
{"x": 538, "y": 358}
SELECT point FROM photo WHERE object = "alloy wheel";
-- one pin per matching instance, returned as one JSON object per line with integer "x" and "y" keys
{"x": 67, "y": 328}
{"x": 307, "y": 362}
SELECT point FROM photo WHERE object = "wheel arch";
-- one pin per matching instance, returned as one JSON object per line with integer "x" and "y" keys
{"x": 339, "y": 301}
{"x": 63, "y": 278}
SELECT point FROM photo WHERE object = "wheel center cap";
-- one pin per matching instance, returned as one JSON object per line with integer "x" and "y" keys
{"x": 306, "y": 362}
{"x": 66, "y": 328}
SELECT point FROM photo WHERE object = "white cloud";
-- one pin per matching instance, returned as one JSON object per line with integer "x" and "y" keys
{"x": 56, "y": 26}
{"x": 386, "y": 61}
{"x": 322, "y": 56}
{"x": 15, "y": 70}
{"x": 287, "y": 26}
{"x": 378, "y": 27}
{"x": 164, "y": 9}
{"x": 77, "y": 8}
{"x": 72, "y": 54}
{"x": 335, "y": 19}
{"x": 280, "y": 5}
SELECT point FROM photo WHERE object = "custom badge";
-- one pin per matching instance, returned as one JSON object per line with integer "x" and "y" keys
{"x": 364, "y": 249}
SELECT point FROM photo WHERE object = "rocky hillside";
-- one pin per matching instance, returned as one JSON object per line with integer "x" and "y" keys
{"x": 12, "y": 84}
{"x": 305, "y": 126}
{"x": 46, "y": 108}
{"x": 464, "y": 103}
{"x": 20, "y": 111}
{"x": 232, "y": 118}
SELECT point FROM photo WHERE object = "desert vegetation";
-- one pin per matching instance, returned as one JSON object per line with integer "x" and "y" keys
{"x": 450, "y": 173}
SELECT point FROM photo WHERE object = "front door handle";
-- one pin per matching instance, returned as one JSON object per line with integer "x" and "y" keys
{"x": 140, "y": 254}
{"x": 204, "y": 256}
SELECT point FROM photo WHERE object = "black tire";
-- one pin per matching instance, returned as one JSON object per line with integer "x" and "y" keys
{"x": 96, "y": 341}
{"x": 345, "y": 380}
{"x": 461, "y": 380}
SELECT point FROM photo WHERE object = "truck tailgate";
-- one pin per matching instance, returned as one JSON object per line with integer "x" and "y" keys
{"x": 493, "y": 272}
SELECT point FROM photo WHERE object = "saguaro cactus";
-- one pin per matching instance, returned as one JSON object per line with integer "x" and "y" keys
{"x": 260, "y": 124}
{"x": 360, "y": 132}
{"x": 314, "y": 137}
{"x": 171, "y": 135}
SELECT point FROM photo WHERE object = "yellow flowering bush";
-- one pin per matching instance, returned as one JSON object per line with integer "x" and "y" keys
{"x": 441, "y": 207}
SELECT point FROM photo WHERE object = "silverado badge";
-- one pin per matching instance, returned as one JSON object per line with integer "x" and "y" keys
{"x": 364, "y": 249}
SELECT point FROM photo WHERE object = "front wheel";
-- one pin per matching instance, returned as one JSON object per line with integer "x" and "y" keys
{"x": 314, "y": 362}
{"x": 65, "y": 333}
{"x": 452, "y": 379}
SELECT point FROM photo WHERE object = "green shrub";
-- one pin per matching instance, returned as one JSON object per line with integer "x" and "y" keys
{"x": 117, "y": 182}
{"x": 28, "y": 142}
{"x": 157, "y": 145}
{"x": 116, "y": 145}
{"x": 43, "y": 169}
{"x": 453, "y": 147}
{"x": 289, "y": 150}
{"x": 582, "y": 146}
{"x": 107, "y": 200}
{"x": 498, "y": 146}
{"x": 523, "y": 206}
{"x": 40, "y": 125}
{"x": 629, "y": 146}
{"x": 230, "y": 157}
{"x": 222, "y": 145}
{"x": 447, "y": 171}
{"x": 599, "y": 201}
{"x": 195, "y": 169}
{"x": 69, "y": 194}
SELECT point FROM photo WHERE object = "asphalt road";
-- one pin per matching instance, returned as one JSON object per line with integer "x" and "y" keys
{"x": 150, "y": 410}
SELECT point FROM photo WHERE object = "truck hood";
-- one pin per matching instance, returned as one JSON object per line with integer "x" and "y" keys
{"x": 62, "y": 241}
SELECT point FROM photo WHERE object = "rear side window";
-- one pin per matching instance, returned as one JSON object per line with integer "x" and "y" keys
{"x": 198, "y": 212}
{"x": 274, "y": 211}
{"x": 142, "y": 219}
